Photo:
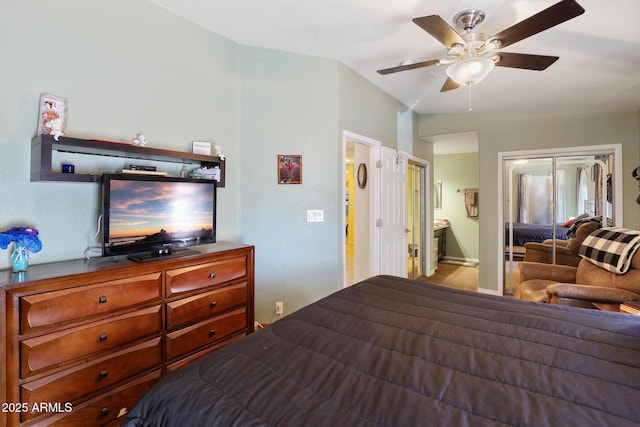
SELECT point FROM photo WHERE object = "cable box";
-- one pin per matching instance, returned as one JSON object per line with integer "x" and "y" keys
{"x": 142, "y": 168}
{"x": 142, "y": 172}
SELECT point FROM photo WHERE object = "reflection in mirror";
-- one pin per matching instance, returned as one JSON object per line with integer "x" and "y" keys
{"x": 546, "y": 199}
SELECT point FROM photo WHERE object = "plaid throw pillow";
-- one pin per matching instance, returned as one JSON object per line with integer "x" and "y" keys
{"x": 611, "y": 248}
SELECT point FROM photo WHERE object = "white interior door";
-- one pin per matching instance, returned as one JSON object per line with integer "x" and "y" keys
{"x": 393, "y": 214}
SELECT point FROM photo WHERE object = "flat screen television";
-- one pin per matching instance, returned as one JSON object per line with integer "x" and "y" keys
{"x": 148, "y": 216}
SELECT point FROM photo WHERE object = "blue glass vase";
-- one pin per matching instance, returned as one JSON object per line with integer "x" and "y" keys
{"x": 19, "y": 258}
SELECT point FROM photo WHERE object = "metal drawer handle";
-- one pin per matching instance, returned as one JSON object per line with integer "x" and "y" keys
{"x": 212, "y": 275}
{"x": 104, "y": 412}
{"x": 102, "y": 300}
{"x": 103, "y": 374}
{"x": 212, "y": 332}
{"x": 103, "y": 337}
{"x": 214, "y": 303}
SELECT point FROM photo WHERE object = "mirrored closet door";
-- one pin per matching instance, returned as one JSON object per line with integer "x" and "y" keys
{"x": 546, "y": 198}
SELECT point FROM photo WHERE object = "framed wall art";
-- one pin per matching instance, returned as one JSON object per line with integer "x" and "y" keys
{"x": 52, "y": 119}
{"x": 289, "y": 169}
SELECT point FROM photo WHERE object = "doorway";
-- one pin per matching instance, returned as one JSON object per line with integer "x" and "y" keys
{"x": 360, "y": 200}
{"x": 416, "y": 221}
{"x": 378, "y": 223}
{"x": 456, "y": 173}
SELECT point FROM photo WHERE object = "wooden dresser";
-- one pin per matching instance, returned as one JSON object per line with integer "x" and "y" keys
{"x": 85, "y": 339}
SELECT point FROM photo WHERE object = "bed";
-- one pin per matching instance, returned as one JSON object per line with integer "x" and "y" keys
{"x": 523, "y": 233}
{"x": 395, "y": 352}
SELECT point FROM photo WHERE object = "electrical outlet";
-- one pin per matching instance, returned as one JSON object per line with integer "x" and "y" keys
{"x": 279, "y": 307}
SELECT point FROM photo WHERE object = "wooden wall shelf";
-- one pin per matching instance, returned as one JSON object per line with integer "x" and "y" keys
{"x": 42, "y": 147}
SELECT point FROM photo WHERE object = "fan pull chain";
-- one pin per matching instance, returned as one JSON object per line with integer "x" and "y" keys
{"x": 470, "y": 109}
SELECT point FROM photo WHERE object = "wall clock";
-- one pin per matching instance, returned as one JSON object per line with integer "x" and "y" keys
{"x": 362, "y": 175}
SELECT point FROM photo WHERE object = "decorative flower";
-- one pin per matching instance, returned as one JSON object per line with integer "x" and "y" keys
{"x": 22, "y": 236}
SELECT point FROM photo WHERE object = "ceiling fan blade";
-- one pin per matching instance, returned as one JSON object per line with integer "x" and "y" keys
{"x": 523, "y": 60}
{"x": 450, "y": 84}
{"x": 439, "y": 29}
{"x": 550, "y": 17}
{"x": 408, "y": 67}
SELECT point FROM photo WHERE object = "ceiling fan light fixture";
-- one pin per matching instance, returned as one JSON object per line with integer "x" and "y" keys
{"x": 495, "y": 44}
{"x": 471, "y": 70}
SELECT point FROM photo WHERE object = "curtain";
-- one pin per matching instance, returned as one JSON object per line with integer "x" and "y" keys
{"x": 524, "y": 185}
{"x": 561, "y": 212}
{"x": 535, "y": 198}
{"x": 582, "y": 190}
{"x": 597, "y": 177}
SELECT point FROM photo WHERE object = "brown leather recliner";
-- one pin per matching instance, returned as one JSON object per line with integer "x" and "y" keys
{"x": 578, "y": 286}
{"x": 566, "y": 250}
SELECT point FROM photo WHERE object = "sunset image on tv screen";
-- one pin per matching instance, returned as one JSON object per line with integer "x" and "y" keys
{"x": 160, "y": 211}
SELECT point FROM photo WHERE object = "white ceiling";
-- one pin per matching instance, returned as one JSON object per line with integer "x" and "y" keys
{"x": 598, "y": 69}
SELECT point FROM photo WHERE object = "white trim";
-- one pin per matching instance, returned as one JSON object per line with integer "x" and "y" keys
{"x": 427, "y": 227}
{"x": 460, "y": 259}
{"x": 554, "y": 152}
{"x": 417, "y": 160}
{"x": 576, "y": 151}
{"x": 352, "y": 136}
{"x": 374, "y": 182}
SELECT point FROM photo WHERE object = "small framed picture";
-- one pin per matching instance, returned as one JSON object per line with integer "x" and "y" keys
{"x": 53, "y": 115}
{"x": 201, "y": 147}
{"x": 289, "y": 169}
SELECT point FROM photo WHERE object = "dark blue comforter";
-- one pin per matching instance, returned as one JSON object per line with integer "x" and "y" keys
{"x": 523, "y": 233}
{"x": 396, "y": 352}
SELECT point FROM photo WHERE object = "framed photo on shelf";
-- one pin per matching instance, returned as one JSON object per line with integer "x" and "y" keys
{"x": 289, "y": 169}
{"x": 52, "y": 117}
{"x": 201, "y": 147}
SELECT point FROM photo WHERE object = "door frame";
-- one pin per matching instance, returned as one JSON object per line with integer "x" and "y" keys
{"x": 373, "y": 182}
{"x": 426, "y": 207}
{"x": 551, "y": 152}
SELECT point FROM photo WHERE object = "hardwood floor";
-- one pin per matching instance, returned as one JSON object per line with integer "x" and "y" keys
{"x": 460, "y": 277}
{"x": 455, "y": 276}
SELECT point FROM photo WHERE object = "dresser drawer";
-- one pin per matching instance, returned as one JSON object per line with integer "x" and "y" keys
{"x": 190, "y": 310}
{"x": 180, "y": 363}
{"x": 55, "y": 308}
{"x": 203, "y": 275}
{"x": 72, "y": 384}
{"x": 45, "y": 352}
{"x": 193, "y": 337}
{"x": 106, "y": 408}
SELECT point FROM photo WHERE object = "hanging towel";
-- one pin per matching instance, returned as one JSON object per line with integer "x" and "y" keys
{"x": 471, "y": 201}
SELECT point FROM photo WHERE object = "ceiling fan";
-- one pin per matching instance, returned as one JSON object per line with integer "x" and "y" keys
{"x": 472, "y": 55}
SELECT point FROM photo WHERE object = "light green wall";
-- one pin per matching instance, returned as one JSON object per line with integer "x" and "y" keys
{"x": 293, "y": 104}
{"x": 128, "y": 67}
{"x": 289, "y": 106}
{"x": 457, "y": 172}
{"x": 125, "y": 67}
{"x": 513, "y": 132}
{"x": 366, "y": 110}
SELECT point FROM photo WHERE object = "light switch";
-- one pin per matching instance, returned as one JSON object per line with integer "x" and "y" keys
{"x": 315, "y": 215}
